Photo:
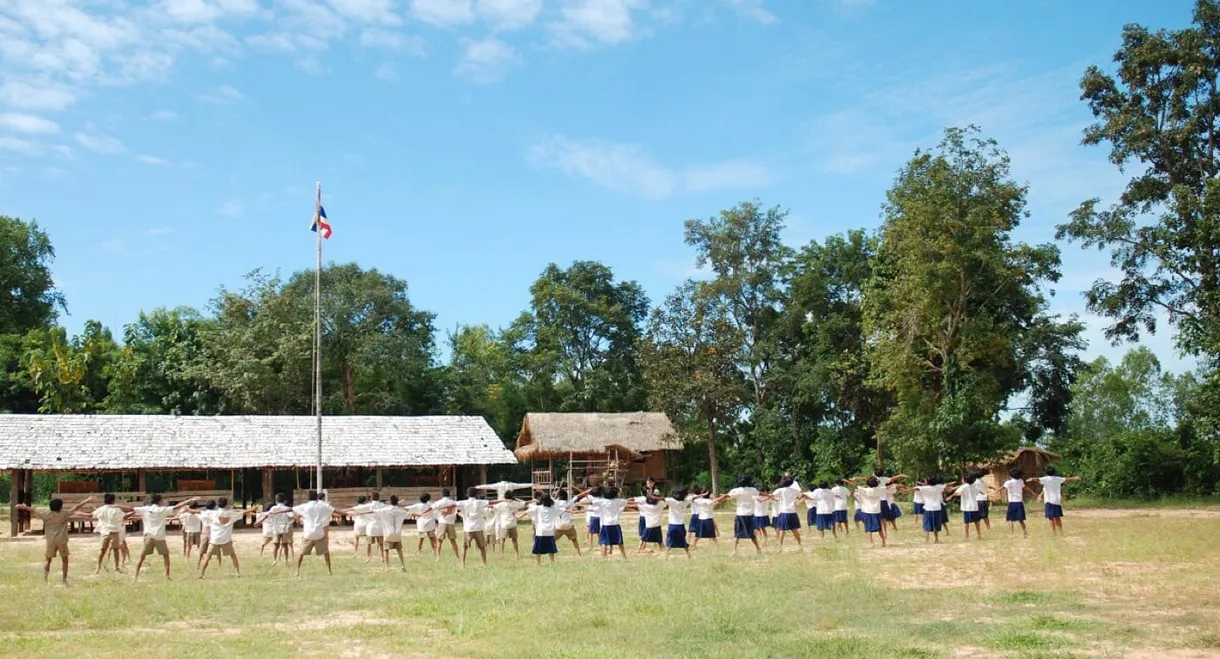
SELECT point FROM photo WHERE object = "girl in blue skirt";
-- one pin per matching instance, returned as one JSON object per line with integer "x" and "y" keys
{"x": 1015, "y": 488}
{"x": 967, "y": 495}
{"x": 705, "y": 524}
{"x": 650, "y": 506}
{"x": 761, "y": 519}
{"x": 788, "y": 521}
{"x": 933, "y": 501}
{"x": 869, "y": 498}
{"x": 544, "y": 514}
{"x": 675, "y": 536}
{"x": 610, "y": 509}
{"x": 841, "y": 493}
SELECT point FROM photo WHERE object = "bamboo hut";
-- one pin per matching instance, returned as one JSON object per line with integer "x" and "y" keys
{"x": 1031, "y": 461}
{"x": 581, "y": 449}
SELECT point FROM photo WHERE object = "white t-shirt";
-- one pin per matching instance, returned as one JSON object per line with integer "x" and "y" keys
{"x": 390, "y": 519}
{"x": 744, "y": 496}
{"x": 360, "y": 522}
{"x": 472, "y": 511}
{"x": 544, "y": 518}
{"x": 969, "y": 503}
{"x": 651, "y": 512}
{"x": 1052, "y": 489}
{"x": 870, "y": 499}
{"x": 564, "y": 520}
{"x": 449, "y": 516}
{"x": 315, "y": 517}
{"x": 372, "y": 523}
{"x": 933, "y": 496}
{"x": 425, "y": 520}
{"x": 677, "y": 510}
{"x": 268, "y": 526}
{"x": 109, "y": 519}
{"x": 840, "y": 495}
{"x": 787, "y": 499}
{"x": 221, "y": 530}
{"x": 702, "y": 507}
{"x": 594, "y": 511}
{"x": 825, "y": 502}
{"x": 811, "y": 499}
{"x": 190, "y": 522}
{"x": 980, "y": 489}
{"x": 760, "y": 506}
{"x": 506, "y": 513}
{"x": 610, "y": 510}
{"x": 883, "y": 481}
{"x": 154, "y": 518}
{"x": 280, "y": 522}
{"x": 1016, "y": 490}
{"x": 918, "y": 496}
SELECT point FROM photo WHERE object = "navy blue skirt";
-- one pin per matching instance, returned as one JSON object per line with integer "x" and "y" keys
{"x": 642, "y": 527}
{"x": 872, "y": 521}
{"x": 840, "y": 517}
{"x": 944, "y": 515}
{"x": 970, "y": 516}
{"x": 1016, "y": 512}
{"x": 761, "y": 522}
{"x": 932, "y": 521}
{"x": 651, "y": 534}
{"x": 611, "y": 534}
{"x": 595, "y": 525}
{"x": 811, "y": 518}
{"x": 859, "y": 516}
{"x": 886, "y": 511}
{"x": 918, "y": 509}
{"x": 743, "y": 527}
{"x": 545, "y": 544}
{"x": 895, "y": 511}
{"x": 1054, "y": 511}
{"x": 675, "y": 537}
{"x": 705, "y": 528}
{"x": 825, "y": 522}
{"x": 788, "y": 522}
{"x": 984, "y": 509}
{"x": 694, "y": 523}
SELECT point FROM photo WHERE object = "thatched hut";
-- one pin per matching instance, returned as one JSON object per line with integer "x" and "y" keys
{"x": 591, "y": 448}
{"x": 1031, "y": 461}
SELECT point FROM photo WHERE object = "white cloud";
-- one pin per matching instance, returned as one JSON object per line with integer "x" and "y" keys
{"x": 585, "y": 23}
{"x": 754, "y": 10}
{"x": 378, "y": 12}
{"x": 223, "y": 94}
{"x": 629, "y": 169}
{"x": 311, "y": 65}
{"x": 232, "y": 208}
{"x": 508, "y": 14}
{"x": 20, "y": 146}
{"x": 387, "y": 71}
{"x": 103, "y": 144}
{"x": 34, "y": 96}
{"x": 487, "y": 60}
{"x": 27, "y": 123}
{"x": 152, "y": 160}
{"x": 163, "y": 115}
{"x": 390, "y": 40}
{"x": 443, "y": 13}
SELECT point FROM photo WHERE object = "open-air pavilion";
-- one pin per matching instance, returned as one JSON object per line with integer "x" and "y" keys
{"x": 588, "y": 448}
{"x": 246, "y": 458}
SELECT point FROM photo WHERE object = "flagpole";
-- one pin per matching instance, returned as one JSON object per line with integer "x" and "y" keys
{"x": 317, "y": 321}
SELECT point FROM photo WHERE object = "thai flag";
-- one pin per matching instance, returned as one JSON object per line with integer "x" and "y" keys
{"x": 319, "y": 220}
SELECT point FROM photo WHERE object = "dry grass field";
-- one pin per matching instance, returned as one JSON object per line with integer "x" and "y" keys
{"x": 1122, "y": 583}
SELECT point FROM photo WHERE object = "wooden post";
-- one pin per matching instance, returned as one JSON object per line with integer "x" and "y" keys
{"x": 268, "y": 486}
{"x": 379, "y": 478}
{"x": 142, "y": 481}
{"x": 482, "y": 474}
{"x": 14, "y": 495}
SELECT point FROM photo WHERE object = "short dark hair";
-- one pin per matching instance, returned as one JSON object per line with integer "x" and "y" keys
{"x": 108, "y": 498}
{"x": 393, "y": 499}
{"x": 155, "y": 498}
{"x": 872, "y": 481}
{"x": 743, "y": 481}
{"x": 472, "y": 492}
{"x": 1015, "y": 472}
{"x": 280, "y": 497}
{"x": 444, "y": 491}
{"x": 612, "y": 492}
{"x": 223, "y": 502}
{"x": 563, "y": 494}
{"x": 313, "y": 495}
{"x": 1050, "y": 471}
{"x": 970, "y": 478}
{"x": 425, "y": 497}
{"x": 211, "y": 504}
{"x": 57, "y": 505}
{"x": 361, "y": 499}
{"x": 376, "y": 496}
{"x": 546, "y": 500}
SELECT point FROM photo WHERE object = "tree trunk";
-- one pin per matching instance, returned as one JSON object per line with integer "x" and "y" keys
{"x": 349, "y": 385}
{"x": 712, "y": 460}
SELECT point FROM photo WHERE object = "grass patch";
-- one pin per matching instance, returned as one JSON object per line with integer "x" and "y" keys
{"x": 1018, "y": 641}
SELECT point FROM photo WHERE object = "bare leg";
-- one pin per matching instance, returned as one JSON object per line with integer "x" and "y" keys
{"x": 64, "y": 560}
{"x": 46, "y": 570}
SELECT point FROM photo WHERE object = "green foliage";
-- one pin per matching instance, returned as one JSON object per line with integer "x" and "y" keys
{"x": 69, "y": 376}
{"x": 28, "y": 297}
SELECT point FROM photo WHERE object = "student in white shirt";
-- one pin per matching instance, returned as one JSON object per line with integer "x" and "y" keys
{"x": 315, "y": 519}
{"x": 425, "y": 525}
{"x": 278, "y": 524}
{"x": 1015, "y": 488}
{"x": 933, "y": 500}
{"x": 967, "y": 493}
{"x": 983, "y": 497}
{"x": 704, "y": 507}
{"x": 650, "y": 489}
{"x": 675, "y": 535}
{"x": 869, "y": 506}
{"x": 651, "y": 507}
{"x": 374, "y": 534}
{"x": 609, "y": 510}
{"x": 762, "y": 520}
{"x": 205, "y": 536}
{"x": 220, "y": 523}
{"x": 824, "y": 510}
{"x": 472, "y": 509}
{"x": 191, "y": 528}
{"x": 359, "y": 524}
{"x": 153, "y": 518}
{"x": 264, "y": 520}
{"x": 446, "y": 522}
{"x": 109, "y": 520}
{"x": 506, "y": 516}
{"x": 788, "y": 521}
{"x": 840, "y": 494}
{"x": 593, "y": 513}
{"x": 544, "y": 514}
{"x": 745, "y": 495}
{"x": 564, "y": 527}
{"x": 1052, "y": 496}
{"x": 390, "y": 518}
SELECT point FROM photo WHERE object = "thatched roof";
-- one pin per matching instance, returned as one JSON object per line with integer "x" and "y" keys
{"x": 558, "y": 434}
{"x": 88, "y": 442}
{"x": 1023, "y": 455}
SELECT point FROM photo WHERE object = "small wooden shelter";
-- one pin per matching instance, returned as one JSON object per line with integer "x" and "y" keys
{"x": 245, "y": 458}
{"x": 588, "y": 448}
{"x": 1030, "y": 460}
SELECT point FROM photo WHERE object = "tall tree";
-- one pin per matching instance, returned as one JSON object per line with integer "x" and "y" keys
{"x": 70, "y": 376}
{"x": 1159, "y": 114}
{"x": 158, "y": 370}
{"x": 28, "y": 297}
{"x": 580, "y": 338}
{"x": 954, "y": 302}
{"x": 482, "y": 379}
{"x": 690, "y": 361}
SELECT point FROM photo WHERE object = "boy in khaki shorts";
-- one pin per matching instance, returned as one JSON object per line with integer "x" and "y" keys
{"x": 564, "y": 527}
{"x": 315, "y": 518}
{"x": 425, "y": 525}
{"x": 390, "y": 519}
{"x": 446, "y": 523}
{"x": 110, "y": 519}
{"x": 153, "y": 518}
{"x": 56, "y": 523}
{"x": 220, "y": 543}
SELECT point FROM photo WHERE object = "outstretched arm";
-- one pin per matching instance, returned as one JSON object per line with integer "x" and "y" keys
{"x": 82, "y": 504}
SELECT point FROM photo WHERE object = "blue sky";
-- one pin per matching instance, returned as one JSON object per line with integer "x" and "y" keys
{"x": 171, "y": 146}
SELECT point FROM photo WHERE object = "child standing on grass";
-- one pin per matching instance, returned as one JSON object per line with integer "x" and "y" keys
{"x": 983, "y": 497}
{"x": 789, "y": 522}
{"x": 446, "y": 523}
{"x": 610, "y": 509}
{"x": 840, "y": 494}
{"x": 390, "y": 518}
{"x": 891, "y": 494}
{"x": 761, "y": 519}
{"x": 506, "y": 512}
{"x": 205, "y": 536}
{"x": 191, "y": 528}
{"x": 425, "y": 525}
{"x": 472, "y": 509}
{"x": 705, "y": 523}
{"x": 675, "y": 536}
{"x": 869, "y": 500}
{"x": 56, "y": 522}
{"x": 1052, "y": 495}
{"x": 153, "y": 518}
{"x": 359, "y": 524}
{"x": 268, "y": 528}
{"x": 933, "y": 501}
{"x": 650, "y": 506}
{"x": 281, "y": 526}
{"x": 593, "y": 516}
{"x": 110, "y": 520}
{"x": 315, "y": 518}
{"x": 564, "y": 527}
{"x": 967, "y": 494}
{"x": 220, "y": 543}
{"x": 1015, "y": 487}
{"x": 544, "y": 514}
{"x": 746, "y": 495}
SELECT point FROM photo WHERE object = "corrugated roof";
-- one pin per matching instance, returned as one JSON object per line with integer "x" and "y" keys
{"x": 84, "y": 442}
{"x": 591, "y": 432}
